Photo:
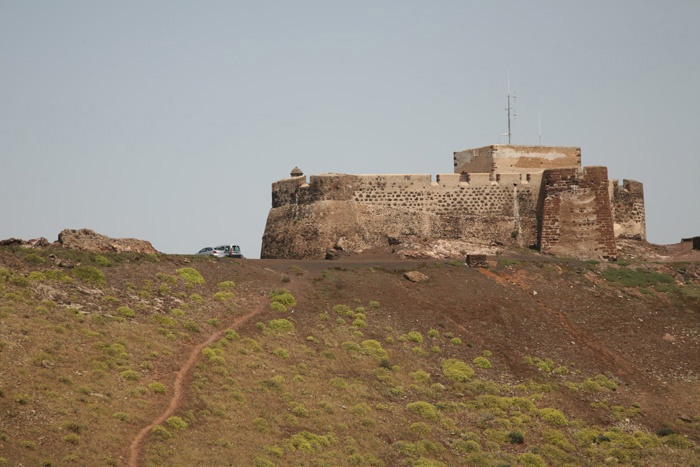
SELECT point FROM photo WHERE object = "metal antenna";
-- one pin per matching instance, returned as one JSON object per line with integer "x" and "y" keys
{"x": 509, "y": 108}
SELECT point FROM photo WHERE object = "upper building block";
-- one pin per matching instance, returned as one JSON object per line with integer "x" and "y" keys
{"x": 505, "y": 158}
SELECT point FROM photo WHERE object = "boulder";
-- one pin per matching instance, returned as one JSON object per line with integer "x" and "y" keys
{"x": 415, "y": 276}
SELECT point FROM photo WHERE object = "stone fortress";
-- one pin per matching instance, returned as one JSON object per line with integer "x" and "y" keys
{"x": 527, "y": 196}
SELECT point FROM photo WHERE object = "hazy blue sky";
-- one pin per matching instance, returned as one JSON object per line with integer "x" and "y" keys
{"x": 169, "y": 120}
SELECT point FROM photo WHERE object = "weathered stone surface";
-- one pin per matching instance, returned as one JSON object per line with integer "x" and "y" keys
{"x": 88, "y": 240}
{"x": 415, "y": 276}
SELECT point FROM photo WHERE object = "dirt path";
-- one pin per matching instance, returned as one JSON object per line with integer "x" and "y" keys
{"x": 179, "y": 386}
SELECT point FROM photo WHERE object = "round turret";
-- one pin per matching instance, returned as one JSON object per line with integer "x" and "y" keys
{"x": 296, "y": 172}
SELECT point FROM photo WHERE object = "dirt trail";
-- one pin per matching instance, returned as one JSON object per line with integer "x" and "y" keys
{"x": 179, "y": 386}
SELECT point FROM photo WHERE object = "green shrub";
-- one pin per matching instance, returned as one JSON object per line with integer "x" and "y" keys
{"x": 373, "y": 304}
{"x": 281, "y": 353}
{"x": 161, "y": 432}
{"x": 300, "y": 411}
{"x": 71, "y": 438}
{"x": 338, "y": 383}
{"x": 433, "y": 333}
{"x": 192, "y": 326}
{"x": 281, "y": 325}
{"x": 420, "y": 376}
{"x": 553, "y": 417}
{"x": 231, "y": 335}
{"x": 456, "y": 370}
{"x": 277, "y": 306}
{"x": 225, "y": 285}
{"x": 157, "y": 388}
{"x": 529, "y": 459}
{"x": 515, "y": 437}
{"x": 420, "y": 428}
{"x": 126, "y": 311}
{"x": 424, "y": 410}
{"x": 34, "y": 259}
{"x": 374, "y": 349}
{"x": 190, "y": 275}
{"x": 481, "y": 362}
{"x": 415, "y": 336}
{"x": 130, "y": 375}
{"x": 456, "y": 341}
{"x": 676, "y": 441}
{"x": 343, "y": 310}
{"x": 224, "y": 296}
{"x": 261, "y": 425}
{"x": 102, "y": 261}
{"x": 176, "y": 423}
{"x": 90, "y": 275}
{"x": 195, "y": 297}
{"x": 360, "y": 409}
{"x": 170, "y": 279}
{"x": 282, "y": 296}
{"x": 20, "y": 281}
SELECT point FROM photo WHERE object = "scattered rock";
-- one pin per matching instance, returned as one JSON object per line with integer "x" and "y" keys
{"x": 669, "y": 338}
{"x": 476, "y": 261}
{"x": 336, "y": 253}
{"x": 415, "y": 276}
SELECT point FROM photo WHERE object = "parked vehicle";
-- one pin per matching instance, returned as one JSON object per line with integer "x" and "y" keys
{"x": 231, "y": 251}
{"x": 206, "y": 251}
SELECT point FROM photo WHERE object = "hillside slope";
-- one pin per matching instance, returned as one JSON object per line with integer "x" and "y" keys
{"x": 169, "y": 360}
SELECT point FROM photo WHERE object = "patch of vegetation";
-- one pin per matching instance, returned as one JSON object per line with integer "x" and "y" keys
{"x": 456, "y": 370}
{"x": 190, "y": 275}
{"x": 635, "y": 278}
{"x": 224, "y": 296}
{"x": 90, "y": 275}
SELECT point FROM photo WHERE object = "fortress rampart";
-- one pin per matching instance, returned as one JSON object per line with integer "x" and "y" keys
{"x": 558, "y": 208}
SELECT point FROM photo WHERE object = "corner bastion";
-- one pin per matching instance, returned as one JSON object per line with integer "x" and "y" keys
{"x": 509, "y": 202}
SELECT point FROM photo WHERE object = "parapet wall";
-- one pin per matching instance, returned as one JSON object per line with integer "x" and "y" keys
{"x": 576, "y": 217}
{"x": 451, "y": 194}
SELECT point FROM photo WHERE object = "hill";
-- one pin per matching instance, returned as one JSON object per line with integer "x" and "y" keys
{"x": 149, "y": 359}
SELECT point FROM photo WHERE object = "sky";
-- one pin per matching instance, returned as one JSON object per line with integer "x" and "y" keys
{"x": 168, "y": 120}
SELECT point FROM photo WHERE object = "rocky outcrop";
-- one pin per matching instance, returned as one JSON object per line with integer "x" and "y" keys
{"x": 33, "y": 243}
{"x": 88, "y": 240}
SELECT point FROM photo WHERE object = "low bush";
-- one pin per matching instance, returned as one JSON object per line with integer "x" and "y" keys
{"x": 424, "y": 410}
{"x": 125, "y": 311}
{"x": 176, "y": 423}
{"x": 190, "y": 275}
{"x": 281, "y": 325}
{"x": 456, "y": 370}
{"x": 90, "y": 275}
{"x": 225, "y": 285}
{"x": 224, "y": 296}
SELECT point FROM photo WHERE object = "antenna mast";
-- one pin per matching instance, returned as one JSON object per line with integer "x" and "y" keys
{"x": 509, "y": 108}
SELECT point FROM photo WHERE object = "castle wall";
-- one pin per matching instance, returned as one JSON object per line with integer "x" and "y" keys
{"x": 376, "y": 208}
{"x": 627, "y": 203}
{"x": 516, "y": 159}
{"x": 576, "y": 217}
